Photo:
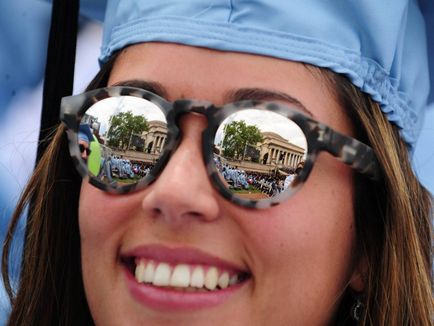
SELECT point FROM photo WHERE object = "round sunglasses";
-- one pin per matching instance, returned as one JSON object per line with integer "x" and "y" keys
{"x": 257, "y": 153}
{"x": 84, "y": 149}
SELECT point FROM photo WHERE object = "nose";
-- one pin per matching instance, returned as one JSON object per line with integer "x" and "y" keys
{"x": 183, "y": 190}
{"x": 84, "y": 155}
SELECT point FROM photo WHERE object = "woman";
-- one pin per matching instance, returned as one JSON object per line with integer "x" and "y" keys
{"x": 344, "y": 244}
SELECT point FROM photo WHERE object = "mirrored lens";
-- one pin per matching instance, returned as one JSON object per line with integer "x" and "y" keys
{"x": 259, "y": 153}
{"x": 121, "y": 138}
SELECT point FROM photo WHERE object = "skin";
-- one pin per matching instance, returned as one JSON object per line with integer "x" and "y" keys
{"x": 300, "y": 253}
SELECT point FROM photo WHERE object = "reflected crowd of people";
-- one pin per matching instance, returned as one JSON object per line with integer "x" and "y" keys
{"x": 116, "y": 168}
{"x": 269, "y": 184}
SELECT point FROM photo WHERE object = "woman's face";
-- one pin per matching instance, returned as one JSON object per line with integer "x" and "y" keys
{"x": 293, "y": 261}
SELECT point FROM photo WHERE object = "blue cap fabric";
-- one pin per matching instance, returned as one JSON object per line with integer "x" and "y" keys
{"x": 82, "y": 136}
{"x": 380, "y": 45}
{"x": 84, "y": 133}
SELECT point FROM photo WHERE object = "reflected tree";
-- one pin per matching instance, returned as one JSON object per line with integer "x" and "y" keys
{"x": 237, "y": 136}
{"x": 122, "y": 126}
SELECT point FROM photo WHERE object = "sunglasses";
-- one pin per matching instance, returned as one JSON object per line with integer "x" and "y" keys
{"x": 257, "y": 153}
{"x": 84, "y": 149}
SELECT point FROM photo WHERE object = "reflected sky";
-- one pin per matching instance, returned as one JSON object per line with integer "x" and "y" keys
{"x": 267, "y": 121}
{"x": 104, "y": 109}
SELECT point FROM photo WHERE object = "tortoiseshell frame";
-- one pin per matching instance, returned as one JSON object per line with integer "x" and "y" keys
{"x": 319, "y": 138}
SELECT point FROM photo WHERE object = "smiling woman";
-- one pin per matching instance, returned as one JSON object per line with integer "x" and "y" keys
{"x": 153, "y": 236}
{"x": 234, "y": 186}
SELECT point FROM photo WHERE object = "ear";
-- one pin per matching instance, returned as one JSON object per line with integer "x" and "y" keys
{"x": 358, "y": 278}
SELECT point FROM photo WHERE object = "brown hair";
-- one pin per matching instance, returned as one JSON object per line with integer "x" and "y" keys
{"x": 392, "y": 220}
{"x": 50, "y": 291}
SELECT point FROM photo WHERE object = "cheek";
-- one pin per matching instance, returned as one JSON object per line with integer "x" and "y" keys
{"x": 102, "y": 216}
{"x": 322, "y": 209}
{"x": 103, "y": 220}
{"x": 95, "y": 216}
{"x": 307, "y": 242}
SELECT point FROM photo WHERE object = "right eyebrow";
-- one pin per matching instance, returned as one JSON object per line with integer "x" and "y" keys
{"x": 262, "y": 94}
{"x": 150, "y": 86}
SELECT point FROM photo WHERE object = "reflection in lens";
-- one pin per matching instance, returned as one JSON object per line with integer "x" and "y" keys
{"x": 259, "y": 153}
{"x": 126, "y": 136}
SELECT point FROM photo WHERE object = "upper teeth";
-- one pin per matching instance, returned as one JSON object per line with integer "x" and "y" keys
{"x": 182, "y": 275}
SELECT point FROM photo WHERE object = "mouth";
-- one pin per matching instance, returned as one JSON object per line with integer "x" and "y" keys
{"x": 180, "y": 279}
{"x": 183, "y": 276}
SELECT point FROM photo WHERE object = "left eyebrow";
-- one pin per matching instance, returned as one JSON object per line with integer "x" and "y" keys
{"x": 262, "y": 94}
{"x": 150, "y": 86}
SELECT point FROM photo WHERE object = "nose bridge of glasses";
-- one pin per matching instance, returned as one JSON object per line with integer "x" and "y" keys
{"x": 191, "y": 106}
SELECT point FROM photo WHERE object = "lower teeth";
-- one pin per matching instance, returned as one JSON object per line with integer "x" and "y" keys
{"x": 188, "y": 289}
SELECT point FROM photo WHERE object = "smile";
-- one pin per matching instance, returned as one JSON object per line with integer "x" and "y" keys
{"x": 189, "y": 278}
{"x": 180, "y": 279}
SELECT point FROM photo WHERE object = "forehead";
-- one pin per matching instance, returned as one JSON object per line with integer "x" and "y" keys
{"x": 199, "y": 73}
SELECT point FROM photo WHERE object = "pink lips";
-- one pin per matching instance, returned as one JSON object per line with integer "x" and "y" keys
{"x": 167, "y": 299}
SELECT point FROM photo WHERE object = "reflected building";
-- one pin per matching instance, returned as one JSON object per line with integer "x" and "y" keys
{"x": 153, "y": 141}
{"x": 155, "y": 137}
{"x": 276, "y": 150}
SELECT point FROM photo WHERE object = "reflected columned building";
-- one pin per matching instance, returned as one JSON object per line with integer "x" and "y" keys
{"x": 155, "y": 137}
{"x": 274, "y": 149}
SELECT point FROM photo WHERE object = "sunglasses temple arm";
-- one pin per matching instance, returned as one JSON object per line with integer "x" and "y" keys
{"x": 359, "y": 156}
